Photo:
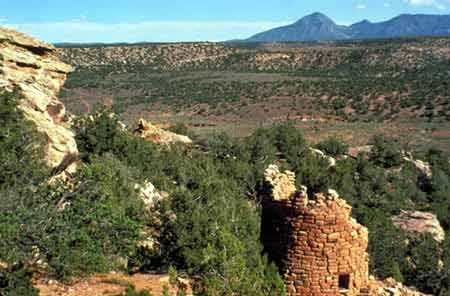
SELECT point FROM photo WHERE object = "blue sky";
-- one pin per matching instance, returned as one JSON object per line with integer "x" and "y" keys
{"x": 187, "y": 20}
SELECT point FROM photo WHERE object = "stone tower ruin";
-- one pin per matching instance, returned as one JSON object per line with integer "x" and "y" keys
{"x": 319, "y": 249}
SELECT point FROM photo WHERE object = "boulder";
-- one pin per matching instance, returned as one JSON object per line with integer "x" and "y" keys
{"x": 33, "y": 68}
{"x": 158, "y": 135}
{"x": 390, "y": 287}
{"x": 148, "y": 193}
{"x": 423, "y": 167}
{"x": 355, "y": 151}
{"x": 320, "y": 153}
{"x": 150, "y": 235}
{"x": 420, "y": 222}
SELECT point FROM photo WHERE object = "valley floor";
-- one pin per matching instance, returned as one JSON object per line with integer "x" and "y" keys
{"x": 417, "y": 134}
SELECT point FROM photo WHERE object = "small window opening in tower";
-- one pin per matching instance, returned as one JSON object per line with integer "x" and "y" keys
{"x": 344, "y": 281}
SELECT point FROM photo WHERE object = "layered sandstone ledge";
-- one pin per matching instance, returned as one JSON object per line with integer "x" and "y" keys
{"x": 420, "y": 223}
{"x": 157, "y": 135}
{"x": 34, "y": 69}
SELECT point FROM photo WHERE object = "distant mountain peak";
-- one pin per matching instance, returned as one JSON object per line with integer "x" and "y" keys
{"x": 365, "y": 22}
{"x": 318, "y": 15}
{"x": 319, "y": 27}
{"x": 315, "y": 17}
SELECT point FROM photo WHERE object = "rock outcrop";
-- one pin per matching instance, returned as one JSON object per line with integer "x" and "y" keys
{"x": 320, "y": 153}
{"x": 420, "y": 223}
{"x": 355, "y": 151}
{"x": 390, "y": 287}
{"x": 33, "y": 68}
{"x": 158, "y": 135}
{"x": 423, "y": 167}
{"x": 148, "y": 193}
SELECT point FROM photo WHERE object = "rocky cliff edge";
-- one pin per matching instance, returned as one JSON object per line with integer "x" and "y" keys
{"x": 34, "y": 69}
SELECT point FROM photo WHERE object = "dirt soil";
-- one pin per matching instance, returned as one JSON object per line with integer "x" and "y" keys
{"x": 111, "y": 284}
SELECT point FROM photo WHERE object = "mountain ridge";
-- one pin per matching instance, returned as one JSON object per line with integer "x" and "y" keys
{"x": 319, "y": 27}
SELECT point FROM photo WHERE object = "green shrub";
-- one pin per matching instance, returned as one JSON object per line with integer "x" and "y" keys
{"x": 131, "y": 291}
{"x": 21, "y": 172}
{"x": 179, "y": 128}
{"x": 385, "y": 239}
{"x": 97, "y": 133}
{"x": 385, "y": 152}
{"x": 216, "y": 233}
{"x": 20, "y": 145}
{"x": 425, "y": 271}
{"x": 440, "y": 181}
{"x": 333, "y": 147}
{"x": 312, "y": 171}
{"x": 289, "y": 141}
{"x": 16, "y": 281}
{"x": 102, "y": 219}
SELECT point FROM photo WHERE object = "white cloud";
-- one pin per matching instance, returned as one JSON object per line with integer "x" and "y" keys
{"x": 420, "y": 2}
{"x": 361, "y": 6}
{"x": 387, "y": 5}
{"x": 80, "y": 30}
{"x": 435, "y": 3}
{"x": 3, "y": 20}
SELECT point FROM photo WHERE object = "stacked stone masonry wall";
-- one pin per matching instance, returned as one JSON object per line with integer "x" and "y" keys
{"x": 319, "y": 249}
